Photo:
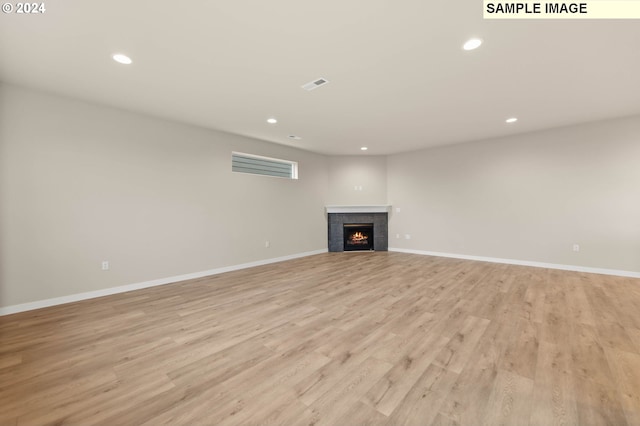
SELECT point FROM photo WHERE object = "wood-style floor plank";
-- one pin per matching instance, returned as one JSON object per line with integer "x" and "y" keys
{"x": 338, "y": 338}
{"x": 554, "y": 397}
{"x": 509, "y": 402}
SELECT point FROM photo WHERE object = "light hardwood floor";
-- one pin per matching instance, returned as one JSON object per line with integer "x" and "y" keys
{"x": 335, "y": 339}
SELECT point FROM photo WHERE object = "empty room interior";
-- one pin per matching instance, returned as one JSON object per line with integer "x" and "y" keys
{"x": 347, "y": 213}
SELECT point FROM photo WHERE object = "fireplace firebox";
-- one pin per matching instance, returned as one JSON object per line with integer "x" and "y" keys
{"x": 358, "y": 236}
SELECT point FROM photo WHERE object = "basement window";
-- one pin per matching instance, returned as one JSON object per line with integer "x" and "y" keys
{"x": 265, "y": 166}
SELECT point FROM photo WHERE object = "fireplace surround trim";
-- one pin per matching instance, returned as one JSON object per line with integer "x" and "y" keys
{"x": 358, "y": 209}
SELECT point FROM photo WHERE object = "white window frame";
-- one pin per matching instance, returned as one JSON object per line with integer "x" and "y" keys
{"x": 293, "y": 164}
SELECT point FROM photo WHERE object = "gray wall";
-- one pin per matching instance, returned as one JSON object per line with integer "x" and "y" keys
{"x": 527, "y": 197}
{"x": 347, "y": 172}
{"x": 81, "y": 183}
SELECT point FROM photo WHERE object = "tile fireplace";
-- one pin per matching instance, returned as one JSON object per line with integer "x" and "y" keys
{"x": 358, "y": 228}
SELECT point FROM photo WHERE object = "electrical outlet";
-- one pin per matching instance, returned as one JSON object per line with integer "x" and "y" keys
{"x": 397, "y": 235}
{"x": 407, "y": 236}
{"x": 105, "y": 265}
{"x": 267, "y": 244}
{"x": 576, "y": 247}
{"x": 397, "y": 209}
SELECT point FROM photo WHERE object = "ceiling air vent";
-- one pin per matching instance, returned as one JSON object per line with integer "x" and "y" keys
{"x": 315, "y": 84}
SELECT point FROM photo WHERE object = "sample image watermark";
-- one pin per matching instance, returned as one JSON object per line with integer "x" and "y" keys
{"x": 24, "y": 8}
{"x": 549, "y": 9}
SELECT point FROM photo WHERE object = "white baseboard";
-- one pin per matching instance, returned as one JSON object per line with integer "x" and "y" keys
{"x": 523, "y": 263}
{"x": 7, "y": 310}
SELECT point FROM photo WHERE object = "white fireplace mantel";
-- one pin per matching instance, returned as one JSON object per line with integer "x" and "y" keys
{"x": 358, "y": 209}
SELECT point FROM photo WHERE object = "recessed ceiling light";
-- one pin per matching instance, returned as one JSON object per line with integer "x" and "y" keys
{"x": 295, "y": 137}
{"x": 471, "y": 44}
{"x": 511, "y": 120}
{"x": 272, "y": 120}
{"x": 364, "y": 148}
{"x": 123, "y": 59}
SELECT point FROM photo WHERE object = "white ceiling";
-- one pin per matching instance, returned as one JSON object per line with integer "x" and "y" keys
{"x": 399, "y": 79}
